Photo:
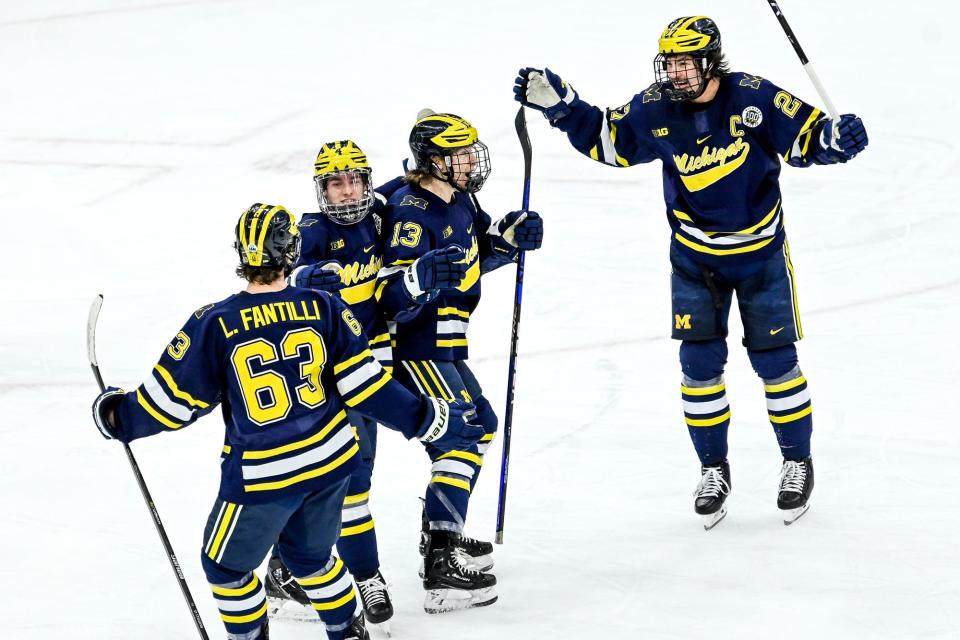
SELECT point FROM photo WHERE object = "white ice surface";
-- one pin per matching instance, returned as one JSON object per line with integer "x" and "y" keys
{"x": 132, "y": 134}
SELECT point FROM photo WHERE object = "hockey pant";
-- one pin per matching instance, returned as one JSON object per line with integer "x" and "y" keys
{"x": 454, "y": 473}
{"x": 304, "y": 527}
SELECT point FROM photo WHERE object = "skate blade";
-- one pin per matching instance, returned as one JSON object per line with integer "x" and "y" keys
{"x": 384, "y": 627}
{"x": 283, "y": 610}
{"x": 792, "y": 515}
{"x": 713, "y": 519}
{"x": 444, "y": 600}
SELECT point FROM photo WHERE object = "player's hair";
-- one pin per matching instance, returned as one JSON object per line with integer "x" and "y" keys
{"x": 416, "y": 176}
{"x": 259, "y": 275}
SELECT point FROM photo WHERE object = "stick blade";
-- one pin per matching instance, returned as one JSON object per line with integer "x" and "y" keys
{"x": 92, "y": 328}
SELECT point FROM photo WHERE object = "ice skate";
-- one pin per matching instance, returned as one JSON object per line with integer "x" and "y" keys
{"x": 375, "y": 599}
{"x": 710, "y": 496}
{"x": 451, "y": 585}
{"x": 286, "y": 600}
{"x": 796, "y": 484}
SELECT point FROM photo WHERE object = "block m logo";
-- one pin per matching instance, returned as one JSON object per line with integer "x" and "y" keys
{"x": 682, "y": 322}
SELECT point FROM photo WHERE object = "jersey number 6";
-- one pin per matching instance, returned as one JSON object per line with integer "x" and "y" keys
{"x": 266, "y": 394}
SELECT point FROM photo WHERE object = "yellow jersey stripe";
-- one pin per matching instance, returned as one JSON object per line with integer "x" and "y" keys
{"x": 183, "y": 395}
{"x": 300, "y": 444}
{"x": 339, "y": 602}
{"x": 369, "y": 391}
{"x": 225, "y": 524}
{"x": 791, "y": 417}
{"x": 325, "y": 578}
{"x": 238, "y": 591}
{"x": 708, "y": 422}
{"x": 703, "y": 391}
{"x": 383, "y": 337}
{"x": 783, "y": 386}
{"x": 766, "y": 220}
{"x": 682, "y": 216}
{"x": 436, "y": 381}
{"x": 458, "y": 342}
{"x": 156, "y": 415}
{"x": 357, "y": 529}
{"x": 452, "y": 311}
{"x": 259, "y": 613}
{"x": 426, "y": 386}
{"x": 722, "y": 252}
{"x": 346, "y": 364}
{"x": 307, "y": 475}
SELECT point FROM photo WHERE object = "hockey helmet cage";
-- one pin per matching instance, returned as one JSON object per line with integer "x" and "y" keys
{"x": 267, "y": 236}
{"x": 698, "y": 37}
{"x": 344, "y": 159}
{"x": 466, "y": 160}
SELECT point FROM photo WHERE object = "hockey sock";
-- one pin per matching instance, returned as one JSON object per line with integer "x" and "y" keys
{"x": 791, "y": 414}
{"x": 357, "y": 544}
{"x": 333, "y": 595}
{"x": 488, "y": 420}
{"x": 707, "y": 413}
{"x": 448, "y": 493}
{"x": 242, "y": 603}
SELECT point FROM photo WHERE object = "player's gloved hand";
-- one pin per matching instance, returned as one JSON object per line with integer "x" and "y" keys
{"x": 103, "y": 411}
{"x": 433, "y": 271}
{"x": 323, "y": 276}
{"x": 543, "y": 91}
{"x": 522, "y": 229}
{"x": 844, "y": 139}
{"x": 446, "y": 425}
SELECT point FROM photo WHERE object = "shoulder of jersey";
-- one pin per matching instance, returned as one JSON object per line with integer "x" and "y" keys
{"x": 311, "y": 219}
{"x": 209, "y": 311}
{"x": 405, "y": 198}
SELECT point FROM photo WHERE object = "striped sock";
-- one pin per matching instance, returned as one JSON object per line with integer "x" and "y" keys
{"x": 791, "y": 414}
{"x": 243, "y": 606}
{"x": 333, "y": 596}
{"x": 357, "y": 545}
{"x": 707, "y": 413}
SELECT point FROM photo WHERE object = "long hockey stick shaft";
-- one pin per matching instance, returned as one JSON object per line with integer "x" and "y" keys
{"x": 807, "y": 66}
{"x": 521, "y": 126}
{"x": 155, "y": 515}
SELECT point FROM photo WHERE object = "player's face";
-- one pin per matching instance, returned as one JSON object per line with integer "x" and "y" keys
{"x": 463, "y": 162}
{"x": 683, "y": 72}
{"x": 345, "y": 188}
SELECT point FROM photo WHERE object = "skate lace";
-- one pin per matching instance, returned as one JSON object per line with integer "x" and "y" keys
{"x": 792, "y": 476}
{"x": 459, "y": 559}
{"x": 712, "y": 484}
{"x": 373, "y": 591}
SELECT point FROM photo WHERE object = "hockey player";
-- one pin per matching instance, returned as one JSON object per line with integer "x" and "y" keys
{"x": 437, "y": 210}
{"x": 342, "y": 252}
{"x": 286, "y": 363}
{"x": 720, "y": 136}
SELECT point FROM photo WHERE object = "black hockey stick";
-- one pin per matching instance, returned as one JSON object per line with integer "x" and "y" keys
{"x": 171, "y": 556}
{"x": 814, "y": 78}
{"x": 521, "y": 124}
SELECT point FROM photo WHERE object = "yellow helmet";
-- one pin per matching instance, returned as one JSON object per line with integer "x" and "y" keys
{"x": 698, "y": 37}
{"x": 345, "y": 162}
{"x": 267, "y": 236}
{"x": 451, "y": 138}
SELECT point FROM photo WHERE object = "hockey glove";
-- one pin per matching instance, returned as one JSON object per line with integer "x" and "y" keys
{"x": 544, "y": 91}
{"x": 522, "y": 229}
{"x": 323, "y": 276}
{"x": 844, "y": 139}
{"x": 433, "y": 271}
{"x": 103, "y": 411}
{"x": 446, "y": 425}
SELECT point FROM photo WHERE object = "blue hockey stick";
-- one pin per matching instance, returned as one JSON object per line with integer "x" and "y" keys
{"x": 521, "y": 124}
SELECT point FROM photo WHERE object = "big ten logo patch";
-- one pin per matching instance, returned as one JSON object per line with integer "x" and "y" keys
{"x": 661, "y": 132}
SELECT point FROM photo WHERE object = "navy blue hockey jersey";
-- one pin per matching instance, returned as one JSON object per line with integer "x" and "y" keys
{"x": 721, "y": 160}
{"x": 418, "y": 221}
{"x": 285, "y": 366}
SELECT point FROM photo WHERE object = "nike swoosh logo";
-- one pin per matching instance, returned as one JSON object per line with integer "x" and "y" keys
{"x": 702, "y": 140}
{"x": 368, "y": 249}
{"x": 470, "y": 229}
{"x": 774, "y": 332}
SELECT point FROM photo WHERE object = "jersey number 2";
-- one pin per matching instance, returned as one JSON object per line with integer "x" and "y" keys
{"x": 266, "y": 394}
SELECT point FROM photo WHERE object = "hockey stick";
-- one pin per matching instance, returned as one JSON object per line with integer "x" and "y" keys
{"x": 521, "y": 124}
{"x": 171, "y": 556}
{"x": 814, "y": 78}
